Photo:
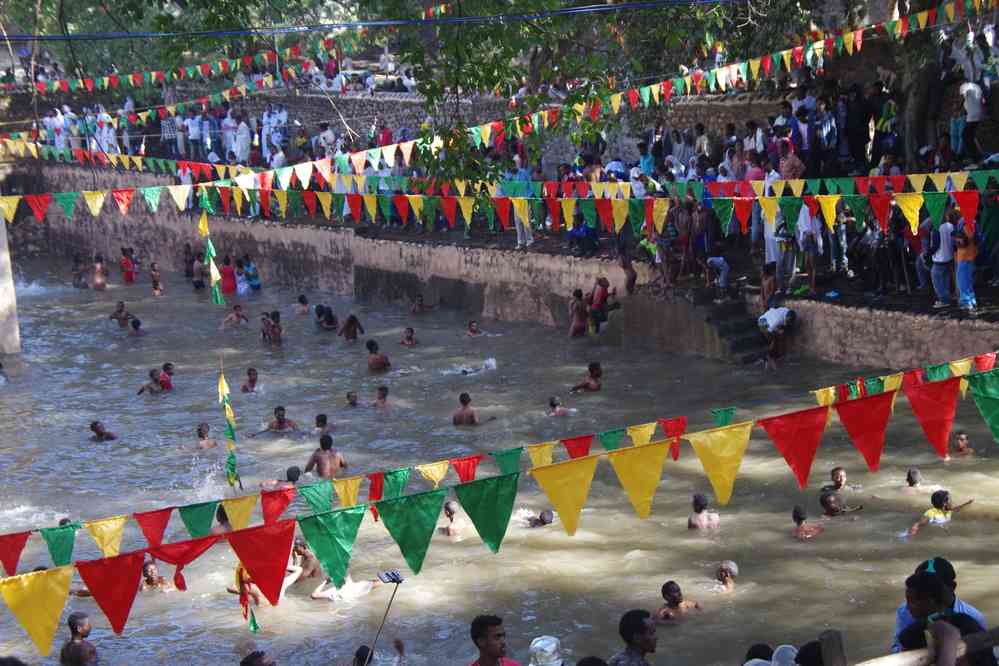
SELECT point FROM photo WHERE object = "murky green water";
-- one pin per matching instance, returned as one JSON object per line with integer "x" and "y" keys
{"x": 77, "y": 366}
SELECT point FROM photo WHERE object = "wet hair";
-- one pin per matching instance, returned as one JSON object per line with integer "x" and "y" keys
{"x": 464, "y": 399}
{"x": 472, "y": 322}
{"x": 632, "y": 624}
{"x": 279, "y": 408}
{"x": 547, "y": 517}
{"x": 64, "y": 521}
{"x": 99, "y": 259}
{"x": 320, "y": 310}
{"x": 798, "y": 514}
{"x": 94, "y": 424}
{"x": 203, "y": 429}
{"x": 481, "y": 624}
{"x": 594, "y": 367}
{"x": 372, "y": 346}
{"x": 155, "y": 373}
{"x": 941, "y": 567}
{"x": 226, "y": 260}
{"x": 293, "y": 473}
{"x": 167, "y": 367}
{"x": 671, "y": 591}
{"x": 76, "y": 620}
{"x": 809, "y": 654}
{"x": 383, "y": 390}
{"x": 136, "y": 323}
{"x": 700, "y": 502}
{"x": 939, "y": 499}
{"x": 363, "y": 656}
{"x": 321, "y": 420}
{"x": 409, "y": 329}
{"x": 302, "y": 299}
{"x": 326, "y": 442}
{"x": 251, "y": 370}
{"x": 827, "y": 499}
{"x": 276, "y": 317}
{"x": 759, "y": 651}
{"x": 959, "y": 434}
{"x": 554, "y": 402}
{"x": 913, "y": 477}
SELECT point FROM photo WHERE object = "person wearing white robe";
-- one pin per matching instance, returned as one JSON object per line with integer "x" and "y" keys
{"x": 243, "y": 140}
{"x": 229, "y": 127}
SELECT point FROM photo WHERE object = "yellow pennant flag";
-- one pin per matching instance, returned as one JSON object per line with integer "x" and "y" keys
{"x": 487, "y": 131}
{"x": 660, "y": 208}
{"x": 520, "y": 210}
{"x": 203, "y": 224}
{"x": 599, "y": 190}
{"x": 720, "y": 451}
{"x": 360, "y": 184}
{"x": 958, "y": 178}
{"x": 754, "y": 68}
{"x": 910, "y": 203}
{"x": 541, "y": 454}
{"x": 460, "y": 186}
{"x": 95, "y": 201}
{"x": 758, "y": 186}
{"x": 33, "y": 149}
{"x": 892, "y": 383}
{"x": 797, "y": 185}
{"x": 388, "y": 154}
{"x": 848, "y": 42}
{"x": 434, "y": 472}
{"x": 825, "y": 396}
{"x": 620, "y": 209}
{"x": 347, "y": 489}
{"x": 107, "y": 534}
{"x": 769, "y": 208}
{"x": 641, "y": 434}
{"x": 281, "y": 196}
{"x": 949, "y": 9}
{"x": 221, "y": 170}
{"x": 777, "y": 187}
{"x": 466, "y": 203}
{"x": 625, "y": 189}
{"x": 639, "y": 470}
{"x": 416, "y": 204}
{"x": 36, "y": 600}
{"x": 786, "y": 57}
{"x": 113, "y": 159}
{"x": 567, "y": 485}
{"x": 577, "y": 110}
{"x": 568, "y": 213}
{"x": 358, "y": 160}
{"x": 407, "y": 150}
{"x": 960, "y": 369}
{"x": 371, "y": 205}
{"x": 918, "y": 181}
{"x": 325, "y": 201}
{"x": 939, "y": 181}
{"x": 237, "y": 198}
{"x": 180, "y": 194}
{"x": 827, "y": 202}
{"x": 615, "y": 102}
{"x": 656, "y": 88}
{"x": 239, "y": 510}
{"x": 9, "y": 206}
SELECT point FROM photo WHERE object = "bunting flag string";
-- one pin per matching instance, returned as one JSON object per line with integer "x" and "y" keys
{"x": 36, "y": 600}
{"x": 720, "y": 451}
{"x": 639, "y": 470}
{"x": 567, "y": 485}
{"x": 797, "y": 436}
{"x": 489, "y": 505}
{"x": 114, "y": 582}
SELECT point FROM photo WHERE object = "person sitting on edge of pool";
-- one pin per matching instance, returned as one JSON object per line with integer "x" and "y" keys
{"x": 381, "y": 398}
{"x": 726, "y": 574}
{"x": 250, "y": 383}
{"x": 555, "y": 407}
{"x": 960, "y": 448}
{"x": 939, "y": 513}
{"x": 409, "y": 338}
{"x": 280, "y": 423}
{"x": 590, "y": 383}
{"x": 465, "y": 415}
{"x": 473, "y": 330}
{"x": 101, "y": 434}
{"x": 701, "y": 518}
{"x": 832, "y": 505}
{"x": 803, "y": 531}
{"x": 153, "y": 385}
{"x": 377, "y": 362}
{"x": 291, "y": 475}
{"x": 676, "y": 607}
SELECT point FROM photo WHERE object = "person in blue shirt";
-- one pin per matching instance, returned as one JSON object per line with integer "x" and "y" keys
{"x": 945, "y": 570}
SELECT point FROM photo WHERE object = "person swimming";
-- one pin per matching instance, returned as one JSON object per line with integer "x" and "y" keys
{"x": 166, "y": 377}
{"x": 280, "y": 423}
{"x": 381, "y": 398}
{"x": 939, "y": 513}
{"x": 291, "y": 477}
{"x": 155, "y": 279}
{"x": 234, "y": 317}
{"x": 676, "y": 607}
{"x": 270, "y": 327}
{"x": 465, "y": 415}
{"x": 473, "y": 330}
{"x": 833, "y": 506}
{"x": 121, "y": 315}
{"x": 250, "y": 383}
{"x": 555, "y": 407}
{"x": 409, "y": 338}
{"x": 323, "y": 426}
{"x": 136, "y": 324}
{"x": 204, "y": 441}
{"x": 351, "y": 399}
{"x": 419, "y": 306}
{"x": 302, "y": 306}
{"x": 100, "y": 433}
{"x": 377, "y": 362}
{"x": 802, "y": 531}
{"x": 590, "y": 383}
{"x": 960, "y": 448}
{"x": 325, "y": 460}
{"x": 152, "y": 580}
{"x": 153, "y": 385}
{"x": 351, "y": 328}
{"x": 701, "y": 518}
{"x": 329, "y": 321}
{"x": 726, "y": 574}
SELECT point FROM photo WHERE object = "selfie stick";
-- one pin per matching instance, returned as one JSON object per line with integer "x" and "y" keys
{"x": 387, "y": 577}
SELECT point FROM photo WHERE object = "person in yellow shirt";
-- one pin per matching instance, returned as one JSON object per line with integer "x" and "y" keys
{"x": 940, "y": 513}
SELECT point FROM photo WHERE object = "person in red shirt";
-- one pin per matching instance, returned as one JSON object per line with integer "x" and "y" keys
{"x": 127, "y": 267}
{"x": 228, "y": 276}
{"x": 384, "y": 135}
{"x": 166, "y": 377}
{"x": 490, "y": 638}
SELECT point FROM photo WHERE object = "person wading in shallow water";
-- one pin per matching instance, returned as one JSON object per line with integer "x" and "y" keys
{"x": 78, "y": 651}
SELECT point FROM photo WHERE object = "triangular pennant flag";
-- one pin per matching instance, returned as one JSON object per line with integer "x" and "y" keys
{"x": 153, "y": 524}
{"x": 934, "y": 404}
{"x": 114, "y": 582}
{"x": 180, "y": 194}
{"x": 239, "y": 510}
{"x": 274, "y": 502}
{"x": 11, "y": 546}
{"x": 568, "y": 212}
{"x": 985, "y": 362}
{"x": 198, "y": 517}
{"x": 939, "y": 181}
{"x": 67, "y": 201}
{"x": 325, "y": 199}
{"x": 434, "y": 472}
{"x": 567, "y": 485}
{"x": 466, "y": 204}
{"x": 610, "y": 440}
{"x": 722, "y": 416}
{"x": 95, "y": 201}
{"x": 281, "y": 196}
{"x": 865, "y": 420}
{"x": 60, "y": 541}
{"x": 958, "y": 179}
{"x": 720, "y": 451}
{"x": 263, "y": 552}
{"x": 123, "y": 198}
{"x": 935, "y": 373}
{"x": 790, "y": 209}
{"x": 358, "y": 160}
{"x": 967, "y": 203}
{"x": 348, "y": 489}
{"x": 769, "y": 205}
{"x": 151, "y": 195}
{"x": 412, "y": 521}
{"x": 465, "y": 467}
{"x": 797, "y": 436}
{"x": 797, "y": 186}
{"x": 674, "y": 429}
{"x": 107, "y": 533}
{"x": 828, "y": 202}
{"x": 331, "y": 537}
{"x": 639, "y": 470}
{"x": 641, "y": 434}
{"x": 985, "y": 392}
{"x": 743, "y": 211}
{"x": 39, "y": 204}
{"x": 918, "y": 181}
{"x": 489, "y": 505}
{"x": 910, "y": 203}
{"x": 936, "y": 203}
{"x": 319, "y": 496}
{"x": 37, "y": 600}
{"x": 825, "y": 396}
{"x": 881, "y": 206}
{"x": 508, "y": 460}
{"x": 577, "y": 447}
{"x": 541, "y": 454}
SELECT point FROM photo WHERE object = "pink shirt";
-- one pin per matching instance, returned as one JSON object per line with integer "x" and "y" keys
{"x": 754, "y": 173}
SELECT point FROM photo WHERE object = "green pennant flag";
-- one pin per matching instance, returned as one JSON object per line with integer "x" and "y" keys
{"x": 723, "y": 209}
{"x": 537, "y": 214}
{"x": 891, "y": 27}
{"x": 874, "y": 385}
{"x": 489, "y": 504}
{"x": 679, "y": 86}
{"x": 839, "y": 45}
{"x": 636, "y": 215}
{"x": 814, "y": 185}
{"x": 318, "y": 495}
{"x": 217, "y": 297}
{"x": 830, "y": 184}
{"x": 981, "y": 179}
{"x": 680, "y": 187}
{"x": 336, "y": 210}
{"x": 744, "y": 71}
{"x": 60, "y": 541}
{"x": 205, "y": 199}
{"x": 845, "y": 185}
{"x": 66, "y": 201}
{"x": 935, "y": 373}
{"x": 295, "y": 206}
{"x": 152, "y": 197}
{"x": 711, "y": 78}
{"x": 209, "y": 250}
{"x": 722, "y": 416}
{"x": 485, "y": 206}
{"x": 198, "y": 517}
{"x": 936, "y": 203}
{"x": 536, "y": 188}
{"x": 412, "y": 520}
{"x": 331, "y": 535}
{"x": 857, "y": 203}
{"x": 395, "y": 482}
{"x": 645, "y": 92}
{"x": 45, "y": 152}
{"x": 588, "y": 208}
{"x": 508, "y": 460}
{"x": 430, "y": 210}
{"x": 985, "y": 392}
{"x": 697, "y": 187}
{"x": 252, "y": 624}
{"x": 611, "y": 439}
{"x": 777, "y": 62}
{"x": 231, "y": 472}
{"x": 853, "y": 389}
{"x": 170, "y": 166}
{"x": 342, "y": 164}
{"x": 385, "y": 206}
{"x": 476, "y": 133}
{"x": 790, "y": 208}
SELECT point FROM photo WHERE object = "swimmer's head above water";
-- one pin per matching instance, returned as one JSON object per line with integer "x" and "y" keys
{"x": 913, "y": 477}
{"x": 292, "y": 474}
{"x": 672, "y": 593}
{"x": 351, "y": 398}
{"x": 727, "y": 570}
{"x": 699, "y": 502}
{"x": 203, "y": 430}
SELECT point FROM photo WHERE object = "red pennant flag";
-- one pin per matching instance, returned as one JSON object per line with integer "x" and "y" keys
{"x": 89, "y": 85}
{"x": 274, "y": 502}
{"x": 582, "y": 189}
{"x": 743, "y": 211}
{"x": 113, "y": 80}
{"x": 813, "y": 205}
{"x": 553, "y": 115}
{"x": 266, "y": 180}
{"x": 577, "y": 447}
{"x": 567, "y": 188}
{"x": 502, "y": 205}
{"x": 913, "y": 378}
{"x": 182, "y": 553}
{"x": 309, "y": 199}
{"x": 205, "y": 68}
{"x": 667, "y": 89}
{"x": 798, "y": 55}
{"x": 985, "y": 362}
{"x": 766, "y": 62}
{"x": 550, "y": 189}
{"x": 865, "y": 420}
{"x": 797, "y": 436}
{"x": 402, "y": 205}
{"x": 11, "y": 546}
{"x": 877, "y": 181}
{"x": 967, "y": 202}
{"x": 445, "y": 189}
{"x": 264, "y": 552}
{"x": 897, "y": 183}
{"x": 714, "y": 188}
{"x": 114, "y": 582}
{"x": 153, "y": 524}
{"x": 673, "y": 429}
{"x": 650, "y": 209}
{"x": 39, "y": 204}
{"x": 225, "y": 194}
{"x": 354, "y": 203}
{"x": 605, "y": 211}
{"x": 449, "y": 206}
{"x": 247, "y": 61}
{"x": 265, "y": 202}
{"x": 595, "y": 110}
{"x": 931, "y": 17}
{"x": 632, "y": 96}
{"x": 498, "y": 133}
{"x": 858, "y": 39}
{"x": 555, "y": 212}
{"x": 465, "y": 467}
{"x": 864, "y": 184}
{"x": 123, "y": 198}
{"x": 376, "y": 486}
{"x": 880, "y": 204}
{"x": 934, "y": 404}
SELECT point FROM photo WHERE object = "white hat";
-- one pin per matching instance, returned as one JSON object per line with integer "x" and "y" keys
{"x": 636, "y": 173}
{"x": 546, "y": 651}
